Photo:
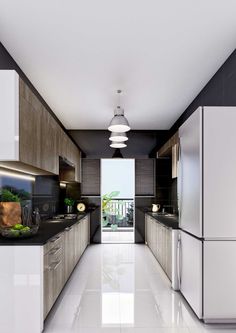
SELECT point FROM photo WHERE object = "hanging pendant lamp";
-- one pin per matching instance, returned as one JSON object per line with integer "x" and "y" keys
{"x": 118, "y": 137}
{"x": 119, "y": 123}
{"x": 118, "y": 144}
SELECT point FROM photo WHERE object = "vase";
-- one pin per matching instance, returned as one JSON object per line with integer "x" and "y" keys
{"x": 69, "y": 209}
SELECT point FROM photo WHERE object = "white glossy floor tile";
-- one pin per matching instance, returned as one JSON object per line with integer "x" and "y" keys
{"x": 155, "y": 330}
{"x": 118, "y": 237}
{"x": 120, "y": 288}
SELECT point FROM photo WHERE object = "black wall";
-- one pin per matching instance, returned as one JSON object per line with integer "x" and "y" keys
{"x": 219, "y": 91}
{"x": 95, "y": 143}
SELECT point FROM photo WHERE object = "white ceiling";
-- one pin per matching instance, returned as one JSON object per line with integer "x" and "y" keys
{"x": 78, "y": 53}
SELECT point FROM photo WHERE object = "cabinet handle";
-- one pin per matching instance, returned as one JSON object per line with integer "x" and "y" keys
{"x": 55, "y": 239}
{"x": 54, "y": 265}
{"x": 179, "y": 261}
{"x": 54, "y": 251}
{"x": 179, "y": 180}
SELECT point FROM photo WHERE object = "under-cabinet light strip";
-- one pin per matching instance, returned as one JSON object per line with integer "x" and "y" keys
{"x": 16, "y": 175}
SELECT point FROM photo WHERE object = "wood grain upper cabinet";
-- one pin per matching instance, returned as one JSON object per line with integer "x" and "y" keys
{"x": 49, "y": 156}
{"x": 69, "y": 151}
{"x": 171, "y": 149}
{"x": 90, "y": 177}
{"x": 30, "y": 137}
{"x": 30, "y": 117}
{"x": 145, "y": 177}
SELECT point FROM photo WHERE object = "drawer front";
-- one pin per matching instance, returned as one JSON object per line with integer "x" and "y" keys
{"x": 53, "y": 243}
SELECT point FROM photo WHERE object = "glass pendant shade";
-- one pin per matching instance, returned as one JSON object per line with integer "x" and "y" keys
{"x": 118, "y": 137}
{"x": 118, "y": 144}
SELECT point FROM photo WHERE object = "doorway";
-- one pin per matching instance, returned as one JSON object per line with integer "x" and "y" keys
{"x": 117, "y": 200}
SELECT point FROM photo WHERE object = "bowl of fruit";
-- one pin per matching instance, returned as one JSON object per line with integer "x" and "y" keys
{"x": 19, "y": 231}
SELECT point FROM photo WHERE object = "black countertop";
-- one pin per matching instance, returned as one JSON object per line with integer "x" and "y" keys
{"x": 169, "y": 220}
{"x": 46, "y": 231}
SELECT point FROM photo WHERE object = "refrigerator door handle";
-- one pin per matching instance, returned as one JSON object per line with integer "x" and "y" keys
{"x": 179, "y": 268}
{"x": 179, "y": 181}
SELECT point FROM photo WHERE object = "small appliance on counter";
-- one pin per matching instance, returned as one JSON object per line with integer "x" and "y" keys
{"x": 155, "y": 208}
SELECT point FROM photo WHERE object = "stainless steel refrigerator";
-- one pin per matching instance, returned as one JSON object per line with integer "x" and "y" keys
{"x": 207, "y": 201}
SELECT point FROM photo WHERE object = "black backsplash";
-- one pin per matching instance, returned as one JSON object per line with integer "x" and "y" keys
{"x": 44, "y": 193}
{"x": 23, "y": 188}
{"x": 163, "y": 183}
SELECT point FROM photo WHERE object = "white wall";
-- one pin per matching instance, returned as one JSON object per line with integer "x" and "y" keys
{"x": 118, "y": 175}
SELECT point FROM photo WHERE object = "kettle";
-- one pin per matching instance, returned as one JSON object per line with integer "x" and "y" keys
{"x": 155, "y": 207}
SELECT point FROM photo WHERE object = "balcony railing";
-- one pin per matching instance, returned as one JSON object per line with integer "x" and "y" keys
{"x": 119, "y": 213}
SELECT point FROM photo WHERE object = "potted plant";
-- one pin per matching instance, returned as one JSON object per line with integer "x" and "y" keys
{"x": 110, "y": 213}
{"x": 10, "y": 208}
{"x": 69, "y": 202}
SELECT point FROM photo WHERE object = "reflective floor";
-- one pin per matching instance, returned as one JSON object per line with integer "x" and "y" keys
{"x": 118, "y": 237}
{"x": 121, "y": 288}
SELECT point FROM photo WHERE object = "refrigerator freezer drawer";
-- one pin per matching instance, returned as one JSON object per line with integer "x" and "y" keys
{"x": 191, "y": 271}
{"x": 219, "y": 281}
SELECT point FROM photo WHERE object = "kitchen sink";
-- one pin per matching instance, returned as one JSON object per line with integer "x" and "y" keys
{"x": 55, "y": 221}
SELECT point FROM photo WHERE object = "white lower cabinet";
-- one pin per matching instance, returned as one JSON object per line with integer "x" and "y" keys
{"x": 159, "y": 240}
{"x": 61, "y": 254}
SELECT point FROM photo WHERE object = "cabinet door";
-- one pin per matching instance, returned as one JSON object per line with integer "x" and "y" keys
{"x": 71, "y": 253}
{"x": 48, "y": 287}
{"x": 77, "y": 243}
{"x": 86, "y": 231}
{"x": 158, "y": 241}
{"x": 49, "y": 158}
{"x": 30, "y": 116}
{"x": 62, "y": 143}
{"x": 57, "y": 278}
{"x": 145, "y": 177}
{"x": 169, "y": 253}
{"x": 90, "y": 177}
{"x": 154, "y": 239}
{"x": 77, "y": 162}
{"x": 67, "y": 255}
{"x": 83, "y": 233}
{"x": 148, "y": 230}
{"x": 164, "y": 248}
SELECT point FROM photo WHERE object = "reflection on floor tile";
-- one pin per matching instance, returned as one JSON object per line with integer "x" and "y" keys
{"x": 120, "y": 288}
{"x": 118, "y": 237}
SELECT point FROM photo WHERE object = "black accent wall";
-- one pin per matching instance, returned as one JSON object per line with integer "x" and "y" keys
{"x": 219, "y": 91}
{"x": 95, "y": 143}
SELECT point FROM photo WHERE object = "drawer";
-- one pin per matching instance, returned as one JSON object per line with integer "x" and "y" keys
{"x": 55, "y": 255}
{"x": 54, "y": 242}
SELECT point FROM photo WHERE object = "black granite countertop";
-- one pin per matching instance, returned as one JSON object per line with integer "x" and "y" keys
{"x": 169, "y": 220}
{"x": 46, "y": 231}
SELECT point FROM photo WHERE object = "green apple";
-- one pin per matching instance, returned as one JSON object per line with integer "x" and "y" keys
{"x": 18, "y": 226}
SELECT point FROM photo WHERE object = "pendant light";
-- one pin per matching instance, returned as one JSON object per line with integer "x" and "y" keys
{"x": 118, "y": 137}
{"x": 119, "y": 123}
{"x": 115, "y": 144}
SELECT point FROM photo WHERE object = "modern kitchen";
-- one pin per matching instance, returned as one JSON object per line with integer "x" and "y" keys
{"x": 117, "y": 167}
